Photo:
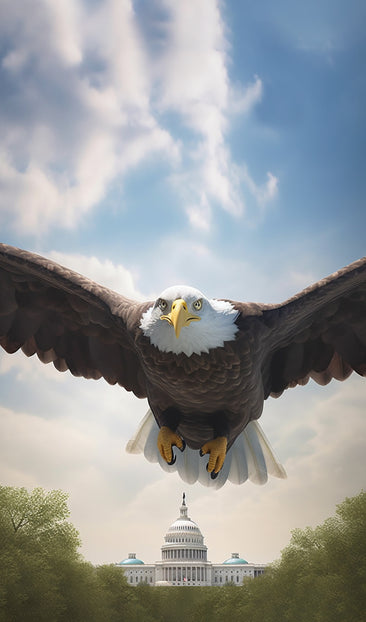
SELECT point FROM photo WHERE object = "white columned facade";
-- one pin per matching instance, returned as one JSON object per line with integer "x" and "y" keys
{"x": 184, "y": 560}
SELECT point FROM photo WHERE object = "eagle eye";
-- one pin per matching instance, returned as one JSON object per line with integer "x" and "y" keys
{"x": 198, "y": 304}
{"x": 162, "y": 304}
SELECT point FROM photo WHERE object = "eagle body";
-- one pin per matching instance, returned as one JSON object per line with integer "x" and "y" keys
{"x": 193, "y": 390}
{"x": 205, "y": 365}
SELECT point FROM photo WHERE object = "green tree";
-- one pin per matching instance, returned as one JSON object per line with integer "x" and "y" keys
{"x": 119, "y": 600}
{"x": 37, "y": 518}
{"x": 35, "y": 537}
{"x": 321, "y": 575}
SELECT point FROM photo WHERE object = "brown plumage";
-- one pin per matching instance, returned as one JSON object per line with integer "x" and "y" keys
{"x": 65, "y": 318}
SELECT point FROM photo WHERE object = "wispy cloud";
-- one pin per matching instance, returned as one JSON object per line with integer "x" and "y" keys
{"x": 77, "y": 82}
{"x": 84, "y": 101}
{"x": 108, "y": 274}
{"x": 262, "y": 193}
{"x": 195, "y": 84}
{"x": 242, "y": 100}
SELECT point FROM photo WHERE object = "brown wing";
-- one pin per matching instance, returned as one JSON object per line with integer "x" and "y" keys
{"x": 65, "y": 318}
{"x": 320, "y": 333}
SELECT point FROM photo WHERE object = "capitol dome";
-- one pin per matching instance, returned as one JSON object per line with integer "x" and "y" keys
{"x": 184, "y": 554}
{"x": 184, "y": 539}
{"x": 184, "y": 524}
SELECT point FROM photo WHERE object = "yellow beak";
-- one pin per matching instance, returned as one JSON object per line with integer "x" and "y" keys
{"x": 179, "y": 316}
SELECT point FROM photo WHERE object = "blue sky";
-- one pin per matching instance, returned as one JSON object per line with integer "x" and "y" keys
{"x": 147, "y": 143}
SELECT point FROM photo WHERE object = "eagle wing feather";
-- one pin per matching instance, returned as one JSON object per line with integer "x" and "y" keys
{"x": 68, "y": 319}
{"x": 319, "y": 333}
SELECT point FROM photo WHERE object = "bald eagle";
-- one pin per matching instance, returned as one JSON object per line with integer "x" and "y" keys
{"x": 205, "y": 366}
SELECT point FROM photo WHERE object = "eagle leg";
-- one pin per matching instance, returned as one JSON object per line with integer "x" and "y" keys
{"x": 166, "y": 440}
{"x": 217, "y": 450}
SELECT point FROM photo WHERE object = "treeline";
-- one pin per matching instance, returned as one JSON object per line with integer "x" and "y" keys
{"x": 320, "y": 577}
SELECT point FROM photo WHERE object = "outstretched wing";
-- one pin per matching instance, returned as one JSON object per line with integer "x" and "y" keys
{"x": 320, "y": 333}
{"x": 69, "y": 320}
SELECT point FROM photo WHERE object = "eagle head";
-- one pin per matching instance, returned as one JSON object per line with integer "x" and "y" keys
{"x": 183, "y": 320}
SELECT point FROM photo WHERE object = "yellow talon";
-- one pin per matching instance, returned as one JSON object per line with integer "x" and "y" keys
{"x": 166, "y": 439}
{"x": 217, "y": 450}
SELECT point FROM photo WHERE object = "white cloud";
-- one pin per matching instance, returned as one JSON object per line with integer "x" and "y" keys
{"x": 83, "y": 116}
{"x": 113, "y": 29}
{"x": 196, "y": 85}
{"x": 200, "y": 215}
{"x": 48, "y": 34}
{"x": 194, "y": 76}
{"x": 243, "y": 100}
{"x": 262, "y": 193}
{"x": 90, "y": 94}
{"x": 116, "y": 277}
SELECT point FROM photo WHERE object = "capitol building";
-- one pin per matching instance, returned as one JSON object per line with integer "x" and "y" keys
{"x": 184, "y": 560}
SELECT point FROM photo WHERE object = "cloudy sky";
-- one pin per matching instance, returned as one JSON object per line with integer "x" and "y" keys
{"x": 147, "y": 143}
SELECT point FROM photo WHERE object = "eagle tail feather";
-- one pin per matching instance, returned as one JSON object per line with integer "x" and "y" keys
{"x": 238, "y": 463}
{"x": 257, "y": 471}
{"x": 137, "y": 443}
{"x": 250, "y": 457}
{"x": 273, "y": 466}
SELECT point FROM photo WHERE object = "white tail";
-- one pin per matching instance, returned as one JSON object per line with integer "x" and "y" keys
{"x": 250, "y": 457}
